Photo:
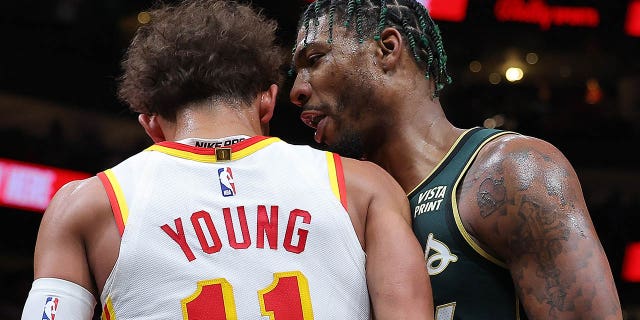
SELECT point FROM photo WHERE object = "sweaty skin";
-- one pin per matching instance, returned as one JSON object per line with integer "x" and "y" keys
{"x": 206, "y": 70}
{"x": 520, "y": 200}
{"x": 79, "y": 229}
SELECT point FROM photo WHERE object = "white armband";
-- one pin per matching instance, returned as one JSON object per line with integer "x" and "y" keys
{"x": 51, "y": 298}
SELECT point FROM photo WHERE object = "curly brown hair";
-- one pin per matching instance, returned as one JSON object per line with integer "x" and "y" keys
{"x": 197, "y": 50}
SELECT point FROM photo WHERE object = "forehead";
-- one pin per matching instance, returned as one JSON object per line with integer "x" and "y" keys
{"x": 314, "y": 32}
{"x": 317, "y": 34}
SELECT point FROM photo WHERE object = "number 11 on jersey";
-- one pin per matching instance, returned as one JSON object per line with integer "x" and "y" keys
{"x": 286, "y": 298}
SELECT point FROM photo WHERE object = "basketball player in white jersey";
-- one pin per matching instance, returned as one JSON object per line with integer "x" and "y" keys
{"x": 217, "y": 220}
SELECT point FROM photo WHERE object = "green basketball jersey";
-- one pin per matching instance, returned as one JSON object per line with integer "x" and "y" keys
{"x": 467, "y": 282}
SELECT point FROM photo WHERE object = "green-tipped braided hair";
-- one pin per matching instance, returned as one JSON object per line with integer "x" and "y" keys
{"x": 370, "y": 17}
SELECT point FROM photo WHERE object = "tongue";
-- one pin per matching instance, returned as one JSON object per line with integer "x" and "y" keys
{"x": 320, "y": 130}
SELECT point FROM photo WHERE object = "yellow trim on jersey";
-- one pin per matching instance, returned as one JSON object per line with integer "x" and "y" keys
{"x": 183, "y": 154}
{"x": 456, "y": 214}
{"x": 117, "y": 190}
{"x": 211, "y": 158}
{"x": 333, "y": 177}
{"x": 303, "y": 293}
{"x": 227, "y": 297}
{"x": 253, "y": 148}
{"x": 107, "y": 311}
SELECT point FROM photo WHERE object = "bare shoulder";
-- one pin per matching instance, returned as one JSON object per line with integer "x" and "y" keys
{"x": 366, "y": 175}
{"x": 517, "y": 147}
{"x": 77, "y": 213}
{"x": 522, "y": 201}
{"x": 372, "y": 191}
{"x": 77, "y": 202}
{"x": 367, "y": 182}
{"x": 518, "y": 181}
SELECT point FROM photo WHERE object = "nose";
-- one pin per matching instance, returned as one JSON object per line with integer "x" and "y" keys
{"x": 300, "y": 92}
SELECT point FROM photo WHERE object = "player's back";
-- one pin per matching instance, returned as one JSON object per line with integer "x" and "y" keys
{"x": 261, "y": 236}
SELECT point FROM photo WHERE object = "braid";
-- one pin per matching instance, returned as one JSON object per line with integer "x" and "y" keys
{"x": 411, "y": 18}
{"x": 425, "y": 42}
{"x": 382, "y": 19}
{"x": 304, "y": 21}
{"x": 435, "y": 47}
{"x": 359, "y": 19}
{"x": 316, "y": 9}
{"x": 350, "y": 7}
{"x": 412, "y": 41}
{"x": 306, "y": 26}
{"x": 332, "y": 12}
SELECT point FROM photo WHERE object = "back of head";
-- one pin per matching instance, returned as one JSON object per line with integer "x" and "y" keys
{"x": 196, "y": 50}
{"x": 367, "y": 19}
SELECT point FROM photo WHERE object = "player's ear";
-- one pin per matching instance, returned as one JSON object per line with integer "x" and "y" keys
{"x": 390, "y": 46}
{"x": 151, "y": 125}
{"x": 268, "y": 103}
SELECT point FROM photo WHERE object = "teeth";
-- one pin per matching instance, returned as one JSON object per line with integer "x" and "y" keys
{"x": 309, "y": 122}
{"x": 315, "y": 120}
{"x": 312, "y": 120}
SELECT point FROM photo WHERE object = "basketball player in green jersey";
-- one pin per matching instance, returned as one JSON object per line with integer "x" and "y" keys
{"x": 501, "y": 216}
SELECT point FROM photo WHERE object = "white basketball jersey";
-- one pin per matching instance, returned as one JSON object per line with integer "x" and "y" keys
{"x": 262, "y": 235}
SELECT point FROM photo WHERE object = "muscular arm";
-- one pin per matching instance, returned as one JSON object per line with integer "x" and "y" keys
{"x": 76, "y": 239}
{"x": 523, "y": 202}
{"x": 397, "y": 278}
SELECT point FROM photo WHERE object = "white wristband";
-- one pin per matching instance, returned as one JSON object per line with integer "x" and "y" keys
{"x": 62, "y": 299}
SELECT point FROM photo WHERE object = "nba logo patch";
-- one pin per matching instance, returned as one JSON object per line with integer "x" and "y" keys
{"x": 50, "y": 308}
{"x": 227, "y": 186}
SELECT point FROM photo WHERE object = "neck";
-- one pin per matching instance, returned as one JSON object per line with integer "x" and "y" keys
{"x": 420, "y": 135}
{"x": 420, "y": 143}
{"x": 215, "y": 122}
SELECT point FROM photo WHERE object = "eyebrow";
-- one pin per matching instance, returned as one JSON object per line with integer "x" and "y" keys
{"x": 302, "y": 51}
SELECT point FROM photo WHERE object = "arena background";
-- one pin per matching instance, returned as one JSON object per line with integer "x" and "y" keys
{"x": 580, "y": 90}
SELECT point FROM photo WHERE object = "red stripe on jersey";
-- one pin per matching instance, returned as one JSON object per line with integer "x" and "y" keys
{"x": 247, "y": 143}
{"x": 105, "y": 312}
{"x": 113, "y": 200}
{"x": 211, "y": 151}
{"x": 188, "y": 148}
{"x": 340, "y": 177}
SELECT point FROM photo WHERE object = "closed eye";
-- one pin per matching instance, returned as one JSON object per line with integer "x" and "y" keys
{"x": 313, "y": 58}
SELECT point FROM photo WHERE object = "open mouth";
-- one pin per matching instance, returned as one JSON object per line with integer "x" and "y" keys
{"x": 312, "y": 118}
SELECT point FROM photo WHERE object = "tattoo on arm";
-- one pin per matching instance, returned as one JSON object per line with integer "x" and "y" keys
{"x": 541, "y": 228}
{"x": 491, "y": 196}
{"x": 534, "y": 196}
{"x": 541, "y": 233}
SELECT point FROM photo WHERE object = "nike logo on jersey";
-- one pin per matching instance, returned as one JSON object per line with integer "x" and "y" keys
{"x": 218, "y": 143}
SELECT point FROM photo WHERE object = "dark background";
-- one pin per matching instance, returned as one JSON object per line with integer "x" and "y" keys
{"x": 59, "y": 60}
